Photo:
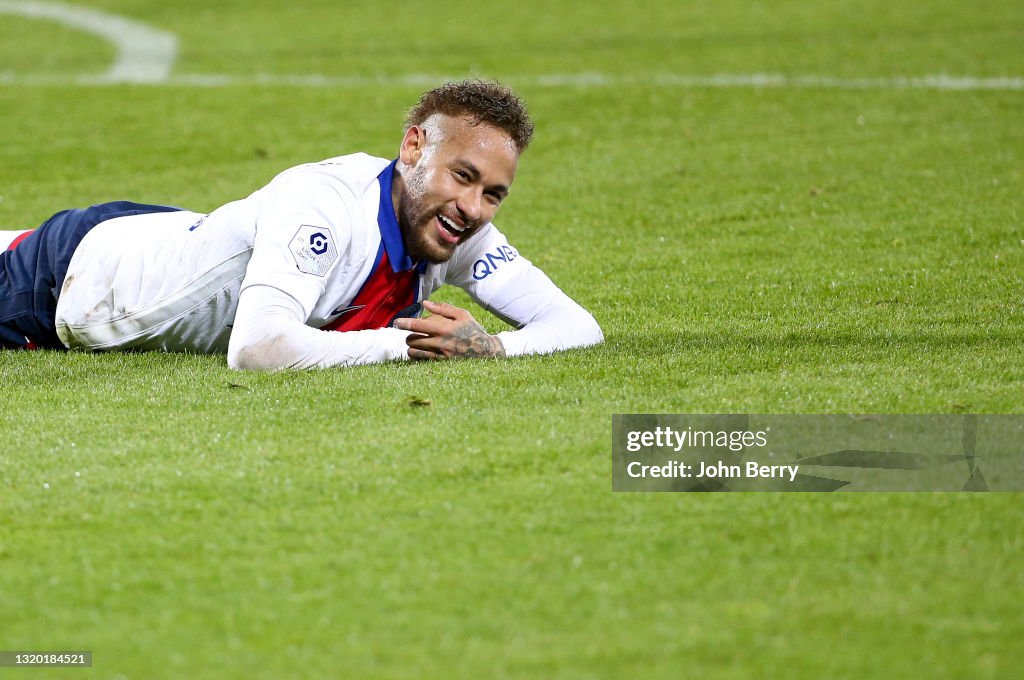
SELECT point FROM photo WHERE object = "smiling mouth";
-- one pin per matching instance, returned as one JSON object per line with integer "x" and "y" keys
{"x": 450, "y": 231}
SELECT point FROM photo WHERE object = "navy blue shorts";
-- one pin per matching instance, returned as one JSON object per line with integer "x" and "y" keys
{"x": 33, "y": 271}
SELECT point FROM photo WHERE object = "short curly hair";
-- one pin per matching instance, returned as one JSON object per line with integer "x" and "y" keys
{"x": 481, "y": 101}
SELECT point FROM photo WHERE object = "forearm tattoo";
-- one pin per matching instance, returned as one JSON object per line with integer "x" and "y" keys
{"x": 470, "y": 340}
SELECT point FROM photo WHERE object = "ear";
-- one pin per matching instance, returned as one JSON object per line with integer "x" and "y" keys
{"x": 413, "y": 143}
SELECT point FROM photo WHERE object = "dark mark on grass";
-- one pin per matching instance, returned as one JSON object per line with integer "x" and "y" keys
{"x": 416, "y": 401}
{"x": 236, "y": 386}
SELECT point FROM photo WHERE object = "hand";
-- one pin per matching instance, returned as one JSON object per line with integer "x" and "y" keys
{"x": 452, "y": 333}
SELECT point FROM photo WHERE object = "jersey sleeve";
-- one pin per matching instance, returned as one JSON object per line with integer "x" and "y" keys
{"x": 303, "y": 229}
{"x": 509, "y": 286}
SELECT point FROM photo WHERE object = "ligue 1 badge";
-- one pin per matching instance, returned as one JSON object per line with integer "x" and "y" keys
{"x": 313, "y": 250}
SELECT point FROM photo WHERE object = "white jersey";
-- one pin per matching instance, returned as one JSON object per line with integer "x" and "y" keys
{"x": 326, "y": 235}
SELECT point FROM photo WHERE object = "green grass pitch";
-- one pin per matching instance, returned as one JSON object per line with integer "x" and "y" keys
{"x": 837, "y": 240}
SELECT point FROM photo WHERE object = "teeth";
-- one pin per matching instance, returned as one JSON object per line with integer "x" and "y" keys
{"x": 451, "y": 225}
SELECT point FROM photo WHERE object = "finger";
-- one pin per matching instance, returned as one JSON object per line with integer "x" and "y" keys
{"x": 417, "y": 354}
{"x": 433, "y": 325}
{"x": 427, "y": 343}
{"x": 444, "y": 309}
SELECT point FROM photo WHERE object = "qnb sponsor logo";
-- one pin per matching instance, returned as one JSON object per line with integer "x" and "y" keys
{"x": 489, "y": 263}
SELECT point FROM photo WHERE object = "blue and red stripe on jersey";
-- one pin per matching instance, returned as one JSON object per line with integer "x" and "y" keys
{"x": 19, "y": 238}
{"x": 393, "y": 286}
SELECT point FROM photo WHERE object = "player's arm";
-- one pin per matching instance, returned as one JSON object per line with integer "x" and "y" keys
{"x": 509, "y": 286}
{"x": 270, "y": 333}
{"x": 285, "y": 279}
{"x": 546, "y": 319}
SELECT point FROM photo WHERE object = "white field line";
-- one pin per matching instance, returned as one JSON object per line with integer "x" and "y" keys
{"x": 144, "y": 54}
{"x": 755, "y": 80}
{"x": 560, "y": 80}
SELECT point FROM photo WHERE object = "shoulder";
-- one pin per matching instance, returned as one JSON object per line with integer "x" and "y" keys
{"x": 334, "y": 190}
{"x": 356, "y": 173}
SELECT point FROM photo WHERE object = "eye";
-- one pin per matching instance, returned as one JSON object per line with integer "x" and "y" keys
{"x": 462, "y": 174}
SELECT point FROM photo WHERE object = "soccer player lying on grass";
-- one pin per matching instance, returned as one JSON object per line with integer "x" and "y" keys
{"x": 354, "y": 244}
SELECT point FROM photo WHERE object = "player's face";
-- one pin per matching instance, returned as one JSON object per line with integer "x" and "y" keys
{"x": 454, "y": 177}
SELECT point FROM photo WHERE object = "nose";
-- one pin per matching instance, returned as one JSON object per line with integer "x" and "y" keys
{"x": 470, "y": 203}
